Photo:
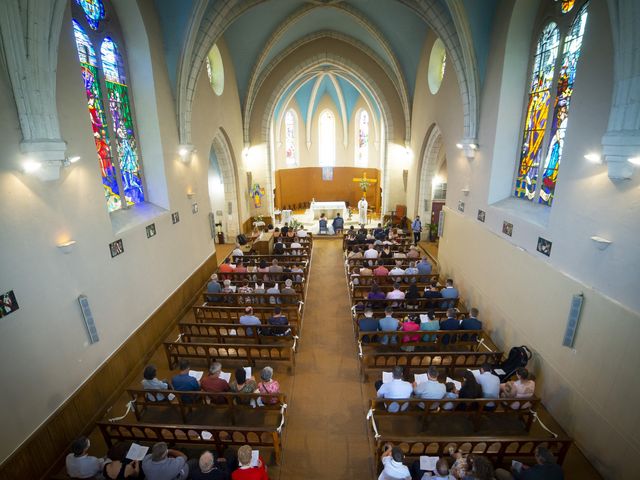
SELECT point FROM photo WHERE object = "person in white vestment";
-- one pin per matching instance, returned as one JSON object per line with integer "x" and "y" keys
{"x": 362, "y": 210}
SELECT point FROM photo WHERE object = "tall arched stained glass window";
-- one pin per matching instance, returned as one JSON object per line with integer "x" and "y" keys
{"x": 545, "y": 128}
{"x": 291, "y": 138}
{"x": 327, "y": 140}
{"x": 362, "y": 135}
{"x": 114, "y": 133}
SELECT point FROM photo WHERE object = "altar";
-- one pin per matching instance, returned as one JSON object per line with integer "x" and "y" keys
{"x": 329, "y": 209}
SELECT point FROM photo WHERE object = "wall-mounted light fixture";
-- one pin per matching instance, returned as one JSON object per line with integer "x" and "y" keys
{"x": 466, "y": 191}
{"x": 185, "y": 151}
{"x": 67, "y": 247}
{"x": 593, "y": 157}
{"x": 634, "y": 161}
{"x": 191, "y": 194}
{"x": 601, "y": 243}
{"x": 46, "y": 170}
{"x": 469, "y": 148}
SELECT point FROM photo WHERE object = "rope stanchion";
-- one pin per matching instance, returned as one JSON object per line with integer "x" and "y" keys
{"x": 536, "y": 418}
{"x": 282, "y": 409}
{"x": 360, "y": 354}
{"x": 129, "y": 408}
{"x": 376, "y": 435}
{"x": 482, "y": 344}
{"x": 295, "y": 342}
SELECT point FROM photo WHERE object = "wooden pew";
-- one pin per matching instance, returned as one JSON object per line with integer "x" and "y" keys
{"x": 229, "y": 314}
{"x": 438, "y": 314}
{"x": 418, "y": 362}
{"x": 240, "y": 299}
{"x": 301, "y": 260}
{"x": 426, "y": 409}
{"x": 373, "y": 262}
{"x": 232, "y": 333}
{"x": 422, "y": 304}
{"x": 500, "y": 450}
{"x": 229, "y": 402}
{"x": 245, "y": 353}
{"x": 440, "y": 340}
{"x": 388, "y": 280}
{"x": 187, "y": 435}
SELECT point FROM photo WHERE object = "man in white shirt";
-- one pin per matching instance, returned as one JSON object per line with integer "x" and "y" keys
{"x": 371, "y": 252}
{"x": 396, "y": 293}
{"x": 393, "y": 468}
{"x": 432, "y": 389}
{"x": 301, "y": 233}
{"x": 395, "y": 389}
{"x": 79, "y": 463}
{"x": 397, "y": 270}
{"x": 237, "y": 252}
{"x": 490, "y": 384}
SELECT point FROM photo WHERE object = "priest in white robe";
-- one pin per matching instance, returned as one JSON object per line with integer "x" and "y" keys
{"x": 362, "y": 210}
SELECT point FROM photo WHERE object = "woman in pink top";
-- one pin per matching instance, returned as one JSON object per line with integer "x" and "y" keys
{"x": 411, "y": 324}
{"x": 268, "y": 385}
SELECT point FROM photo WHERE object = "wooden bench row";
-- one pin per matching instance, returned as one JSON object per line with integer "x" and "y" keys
{"x": 440, "y": 340}
{"x": 247, "y": 299}
{"x": 232, "y": 314}
{"x": 231, "y": 333}
{"x": 422, "y": 304}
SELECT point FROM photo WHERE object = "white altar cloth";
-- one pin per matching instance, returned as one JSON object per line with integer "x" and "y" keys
{"x": 329, "y": 209}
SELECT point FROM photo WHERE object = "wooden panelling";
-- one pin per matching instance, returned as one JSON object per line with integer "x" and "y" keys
{"x": 300, "y": 185}
{"x": 43, "y": 452}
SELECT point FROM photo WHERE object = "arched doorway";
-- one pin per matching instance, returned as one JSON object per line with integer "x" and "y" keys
{"x": 432, "y": 177}
{"x": 223, "y": 186}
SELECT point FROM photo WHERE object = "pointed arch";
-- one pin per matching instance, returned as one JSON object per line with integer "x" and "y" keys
{"x": 291, "y": 137}
{"x": 361, "y": 138}
{"x": 327, "y": 139}
{"x": 427, "y": 168}
{"x": 221, "y": 147}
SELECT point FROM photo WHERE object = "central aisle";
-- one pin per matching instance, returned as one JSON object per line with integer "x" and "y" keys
{"x": 326, "y": 433}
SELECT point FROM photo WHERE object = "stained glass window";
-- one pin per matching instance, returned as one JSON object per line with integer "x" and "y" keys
{"x": 215, "y": 70}
{"x": 327, "y": 140}
{"x": 544, "y": 128}
{"x": 93, "y": 10}
{"x": 362, "y": 148}
{"x": 564, "y": 90}
{"x": 115, "y": 139}
{"x": 567, "y": 5}
{"x": 537, "y": 111}
{"x": 89, "y": 69}
{"x": 291, "y": 138}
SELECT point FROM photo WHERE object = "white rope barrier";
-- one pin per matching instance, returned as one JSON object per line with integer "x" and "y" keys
{"x": 129, "y": 408}
{"x": 360, "y": 354}
{"x": 295, "y": 342}
{"x": 179, "y": 338}
{"x": 482, "y": 344}
{"x": 373, "y": 423}
{"x": 282, "y": 409}
{"x": 536, "y": 418}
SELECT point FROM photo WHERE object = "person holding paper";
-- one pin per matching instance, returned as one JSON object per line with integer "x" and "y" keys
{"x": 207, "y": 468}
{"x": 165, "y": 464}
{"x": 268, "y": 385}
{"x": 545, "y": 468}
{"x": 249, "y": 470}
{"x": 213, "y": 383}
{"x": 184, "y": 382}
{"x": 490, "y": 384}
{"x": 393, "y": 468}
{"x": 79, "y": 463}
{"x": 437, "y": 471}
{"x": 396, "y": 389}
{"x": 151, "y": 382}
{"x": 432, "y": 389}
{"x": 470, "y": 389}
{"x": 242, "y": 384}
{"x": 124, "y": 462}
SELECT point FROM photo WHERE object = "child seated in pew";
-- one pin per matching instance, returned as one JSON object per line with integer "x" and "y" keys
{"x": 451, "y": 393}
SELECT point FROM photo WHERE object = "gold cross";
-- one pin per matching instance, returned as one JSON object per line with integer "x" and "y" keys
{"x": 364, "y": 183}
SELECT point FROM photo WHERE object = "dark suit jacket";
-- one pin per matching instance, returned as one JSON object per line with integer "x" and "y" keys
{"x": 541, "y": 472}
{"x": 471, "y": 324}
{"x": 450, "y": 324}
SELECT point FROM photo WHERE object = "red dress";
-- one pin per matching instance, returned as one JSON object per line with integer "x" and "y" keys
{"x": 253, "y": 473}
{"x": 410, "y": 327}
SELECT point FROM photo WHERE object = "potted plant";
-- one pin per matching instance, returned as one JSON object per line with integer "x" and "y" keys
{"x": 433, "y": 232}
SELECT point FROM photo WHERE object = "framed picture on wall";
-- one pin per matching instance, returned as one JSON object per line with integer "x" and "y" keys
{"x": 175, "y": 217}
{"x": 544, "y": 246}
{"x": 194, "y": 208}
{"x": 8, "y": 303}
{"x": 327, "y": 174}
{"x": 116, "y": 248}
{"x": 461, "y": 206}
{"x": 151, "y": 230}
{"x": 481, "y": 215}
{"x": 507, "y": 228}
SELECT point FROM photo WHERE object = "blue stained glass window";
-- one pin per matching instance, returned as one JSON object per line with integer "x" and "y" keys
{"x": 93, "y": 10}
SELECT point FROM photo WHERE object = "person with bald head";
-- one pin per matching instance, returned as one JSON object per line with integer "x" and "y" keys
{"x": 208, "y": 468}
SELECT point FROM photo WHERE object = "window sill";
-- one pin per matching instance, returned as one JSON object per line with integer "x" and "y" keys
{"x": 126, "y": 219}
{"x": 524, "y": 209}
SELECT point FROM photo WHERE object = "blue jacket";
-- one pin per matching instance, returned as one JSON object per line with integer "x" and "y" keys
{"x": 338, "y": 223}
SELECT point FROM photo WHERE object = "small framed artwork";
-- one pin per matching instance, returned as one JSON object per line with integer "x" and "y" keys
{"x": 507, "y": 228}
{"x": 8, "y": 303}
{"x": 481, "y": 215}
{"x": 175, "y": 217}
{"x": 327, "y": 174}
{"x": 544, "y": 246}
{"x": 461, "y": 206}
{"x": 116, "y": 248}
{"x": 151, "y": 230}
{"x": 194, "y": 208}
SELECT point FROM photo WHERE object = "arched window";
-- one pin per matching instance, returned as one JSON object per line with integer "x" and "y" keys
{"x": 117, "y": 133}
{"x": 215, "y": 70}
{"x": 362, "y": 134}
{"x": 327, "y": 140}
{"x": 291, "y": 138}
{"x": 545, "y": 128}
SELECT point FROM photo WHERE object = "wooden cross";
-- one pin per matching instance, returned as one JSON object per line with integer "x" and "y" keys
{"x": 364, "y": 182}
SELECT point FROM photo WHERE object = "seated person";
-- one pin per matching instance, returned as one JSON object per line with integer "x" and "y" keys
{"x": 432, "y": 292}
{"x": 242, "y": 384}
{"x": 226, "y": 266}
{"x": 278, "y": 247}
{"x": 451, "y": 322}
{"x": 275, "y": 268}
{"x": 396, "y": 389}
{"x": 276, "y": 232}
{"x": 451, "y": 393}
{"x": 376, "y": 293}
{"x": 207, "y": 468}
{"x": 79, "y": 463}
{"x": 268, "y": 385}
{"x": 302, "y": 233}
{"x": 338, "y": 224}
{"x": 289, "y": 290}
{"x": 545, "y": 468}
{"x": 523, "y": 387}
{"x": 274, "y": 291}
{"x": 381, "y": 270}
{"x": 386, "y": 255}
{"x": 214, "y": 286}
{"x": 150, "y": 382}
{"x": 237, "y": 252}
{"x": 428, "y": 324}
{"x": 280, "y": 321}
{"x": 378, "y": 232}
{"x": 213, "y": 383}
{"x": 397, "y": 270}
{"x": 365, "y": 271}
{"x": 249, "y": 319}
{"x": 371, "y": 252}
{"x": 322, "y": 224}
{"x": 117, "y": 466}
{"x": 424, "y": 267}
{"x": 163, "y": 463}
{"x": 388, "y": 324}
{"x": 295, "y": 244}
{"x": 185, "y": 382}
{"x": 355, "y": 253}
{"x": 441, "y": 472}
{"x": 411, "y": 296}
{"x": 449, "y": 291}
{"x": 471, "y": 322}
{"x": 393, "y": 468}
{"x": 367, "y": 324}
{"x": 413, "y": 252}
{"x": 396, "y": 293}
{"x": 490, "y": 384}
{"x": 263, "y": 267}
{"x": 245, "y": 470}
{"x": 411, "y": 324}
{"x": 240, "y": 268}
{"x": 285, "y": 230}
{"x": 432, "y": 389}
{"x": 354, "y": 277}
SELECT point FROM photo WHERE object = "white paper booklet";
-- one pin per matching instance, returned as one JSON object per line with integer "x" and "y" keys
{"x": 499, "y": 371}
{"x": 137, "y": 452}
{"x": 206, "y": 435}
{"x": 455, "y": 382}
{"x": 428, "y": 463}
{"x": 196, "y": 374}
{"x": 387, "y": 377}
{"x": 420, "y": 378}
{"x": 225, "y": 376}
{"x": 254, "y": 458}
{"x": 476, "y": 373}
{"x": 248, "y": 370}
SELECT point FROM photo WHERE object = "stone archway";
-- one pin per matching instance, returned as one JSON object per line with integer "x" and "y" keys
{"x": 427, "y": 171}
{"x": 231, "y": 219}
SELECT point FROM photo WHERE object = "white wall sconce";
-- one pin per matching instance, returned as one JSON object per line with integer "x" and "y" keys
{"x": 466, "y": 191}
{"x": 635, "y": 161}
{"x": 47, "y": 170}
{"x": 191, "y": 194}
{"x": 593, "y": 157}
{"x": 601, "y": 243}
{"x": 67, "y": 247}
{"x": 185, "y": 151}
{"x": 469, "y": 148}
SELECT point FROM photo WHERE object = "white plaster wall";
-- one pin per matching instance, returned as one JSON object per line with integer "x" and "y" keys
{"x": 44, "y": 350}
